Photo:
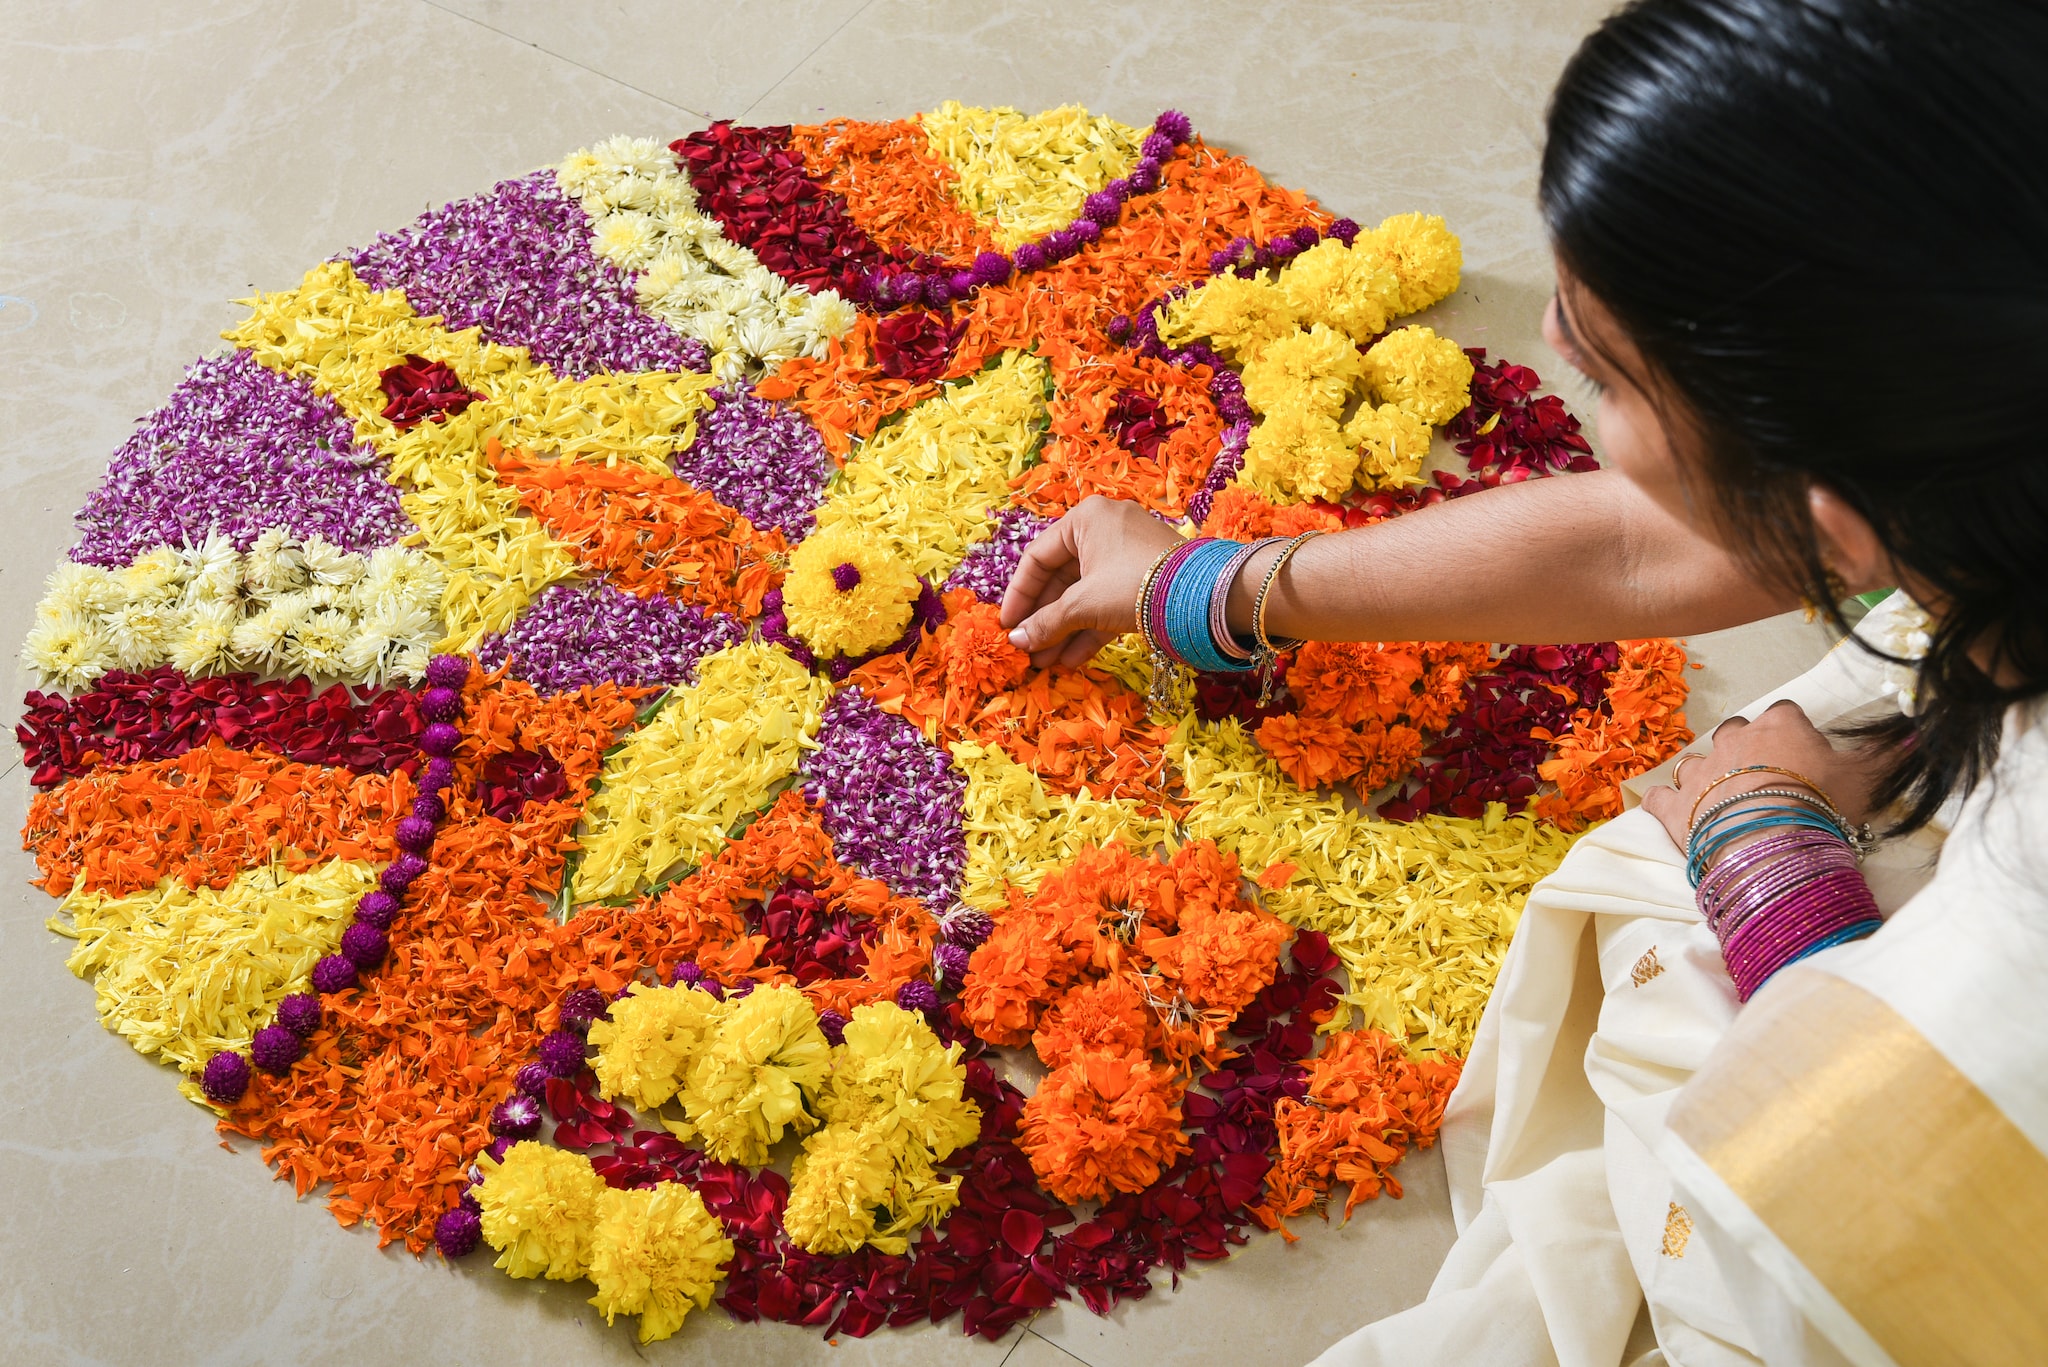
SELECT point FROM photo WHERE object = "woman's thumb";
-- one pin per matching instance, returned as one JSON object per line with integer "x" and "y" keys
{"x": 1042, "y": 628}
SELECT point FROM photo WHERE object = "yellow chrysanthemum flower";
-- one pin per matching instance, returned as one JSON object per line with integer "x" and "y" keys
{"x": 847, "y": 594}
{"x": 1422, "y": 252}
{"x": 540, "y": 1210}
{"x": 1392, "y": 445}
{"x": 656, "y": 1254}
{"x": 893, "y": 1072}
{"x": 645, "y": 1046}
{"x": 1426, "y": 376}
{"x": 756, "y": 1078}
{"x": 1353, "y": 289}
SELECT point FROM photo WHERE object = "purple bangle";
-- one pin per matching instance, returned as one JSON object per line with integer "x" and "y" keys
{"x": 1156, "y": 607}
{"x": 1750, "y": 877}
{"x": 1835, "y": 904}
{"x": 1219, "y": 601}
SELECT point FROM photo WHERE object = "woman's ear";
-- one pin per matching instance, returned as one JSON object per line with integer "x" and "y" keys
{"x": 1848, "y": 542}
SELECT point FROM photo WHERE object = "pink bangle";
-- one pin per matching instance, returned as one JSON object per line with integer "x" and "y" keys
{"x": 1219, "y": 601}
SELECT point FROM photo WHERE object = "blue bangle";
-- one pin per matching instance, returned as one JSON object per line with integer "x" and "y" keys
{"x": 1187, "y": 607}
{"x": 1710, "y": 841}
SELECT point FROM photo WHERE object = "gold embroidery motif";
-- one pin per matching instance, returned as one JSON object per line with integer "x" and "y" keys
{"x": 1677, "y": 1231}
{"x": 1646, "y": 967}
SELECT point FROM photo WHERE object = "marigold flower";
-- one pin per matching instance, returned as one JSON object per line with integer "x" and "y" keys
{"x": 757, "y": 1076}
{"x": 644, "y": 1047}
{"x": 1424, "y": 375}
{"x": 865, "y": 616}
{"x": 1423, "y": 253}
{"x": 539, "y": 1210}
{"x": 656, "y": 1254}
{"x": 1103, "y": 1123}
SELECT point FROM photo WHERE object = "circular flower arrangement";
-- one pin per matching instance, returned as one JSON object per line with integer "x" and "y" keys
{"x": 528, "y": 733}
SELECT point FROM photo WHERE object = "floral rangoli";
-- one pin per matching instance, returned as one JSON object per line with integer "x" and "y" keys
{"x": 526, "y": 731}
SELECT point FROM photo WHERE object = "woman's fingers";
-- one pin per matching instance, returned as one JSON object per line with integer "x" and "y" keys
{"x": 1052, "y": 551}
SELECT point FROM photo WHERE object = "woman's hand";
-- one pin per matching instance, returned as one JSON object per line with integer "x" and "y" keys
{"x": 1783, "y": 737}
{"x": 1077, "y": 586}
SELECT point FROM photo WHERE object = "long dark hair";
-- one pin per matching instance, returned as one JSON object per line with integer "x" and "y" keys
{"x": 1824, "y": 224}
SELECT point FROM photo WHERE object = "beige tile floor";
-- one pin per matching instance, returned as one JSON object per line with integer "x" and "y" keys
{"x": 159, "y": 161}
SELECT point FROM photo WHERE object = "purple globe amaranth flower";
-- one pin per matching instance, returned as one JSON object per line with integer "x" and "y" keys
{"x": 1344, "y": 230}
{"x": 1282, "y": 249}
{"x": 1306, "y": 236}
{"x": 518, "y": 1116}
{"x": 561, "y": 1053}
{"x": 226, "y": 1078}
{"x": 714, "y": 987}
{"x": 1029, "y": 257}
{"x": 967, "y": 927}
{"x": 964, "y": 283}
{"x": 951, "y": 961}
{"x": 275, "y": 1049}
{"x": 1102, "y": 208}
{"x": 438, "y": 774}
{"x": 469, "y": 1201}
{"x": 447, "y": 671}
{"x": 743, "y": 989}
{"x": 938, "y": 291}
{"x": 300, "y": 1013}
{"x": 413, "y": 833}
{"x": 458, "y": 1232}
{"x": 908, "y": 288}
{"x": 1156, "y": 147}
{"x": 377, "y": 908}
{"x": 1145, "y": 176}
{"x": 582, "y": 1006}
{"x": 440, "y": 739}
{"x": 400, "y": 873}
{"x": 532, "y": 1079}
{"x": 499, "y": 1147}
{"x": 687, "y": 974}
{"x": 833, "y": 1026}
{"x": 1119, "y": 328}
{"x": 1174, "y": 125}
{"x": 918, "y": 995}
{"x": 441, "y": 704}
{"x": 429, "y": 807}
{"x": 365, "y": 945}
{"x": 846, "y": 576}
{"x": 1084, "y": 231}
{"x": 991, "y": 268}
{"x": 334, "y": 974}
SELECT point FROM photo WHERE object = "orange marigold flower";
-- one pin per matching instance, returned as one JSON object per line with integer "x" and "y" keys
{"x": 980, "y": 661}
{"x": 1104, "y": 1016}
{"x": 1103, "y": 1123}
{"x": 1220, "y": 957}
{"x": 1315, "y": 751}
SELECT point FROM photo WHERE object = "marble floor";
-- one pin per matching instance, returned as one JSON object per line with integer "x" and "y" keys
{"x": 161, "y": 161}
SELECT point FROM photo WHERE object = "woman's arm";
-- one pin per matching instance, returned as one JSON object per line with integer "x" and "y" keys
{"x": 1584, "y": 557}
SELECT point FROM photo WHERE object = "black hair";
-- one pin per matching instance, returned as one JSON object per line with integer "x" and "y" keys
{"x": 1824, "y": 225}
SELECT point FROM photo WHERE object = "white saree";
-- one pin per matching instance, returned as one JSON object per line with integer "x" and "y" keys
{"x": 1848, "y": 1169}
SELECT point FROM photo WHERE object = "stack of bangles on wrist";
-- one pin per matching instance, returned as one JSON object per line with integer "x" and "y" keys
{"x": 1791, "y": 893}
{"x": 1181, "y": 611}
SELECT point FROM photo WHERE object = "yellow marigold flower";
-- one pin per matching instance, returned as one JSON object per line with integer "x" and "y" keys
{"x": 835, "y": 1185}
{"x": 655, "y": 1254}
{"x": 756, "y": 1077}
{"x": 1295, "y": 454}
{"x": 645, "y": 1046}
{"x": 1392, "y": 445}
{"x": 1239, "y": 316}
{"x": 1426, "y": 376}
{"x": 847, "y": 594}
{"x": 1423, "y": 252}
{"x": 892, "y": 1070}
{"x": 540, "y": 1209}
{"x": 1353, "y": 289}
{"x": 1314, "y": 368}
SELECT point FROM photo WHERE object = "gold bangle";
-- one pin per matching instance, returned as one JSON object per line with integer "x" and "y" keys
{"x": 1266, "y": 644}
{"x": 1795, "y": 776}
{"x": 1145, "y": 595}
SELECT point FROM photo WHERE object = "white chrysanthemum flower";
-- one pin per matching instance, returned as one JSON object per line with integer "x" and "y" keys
{"x": 84, "y": 591}
{"x": 634, "y": 193}
{"x": 274, "y": 564}
{"x": 319, "y": 644}
{"x": 409, "y": 663}
{"x": 674, "y": 198}
{"x": 581, "y": 173}
{"x": 627, "y": 239}
{"x": 663, "y": 274}
{"x": 763, "y": 283}
{"x": 626, "y": 155}
{"x": 155, "y": 577}
{"x": 262, "y": 641}
{"x": 727, "y": 255}
{"x": 213, "y": 570}
{"x": 140, "y": 632}
{"x": 763, "y": 336}
{"x": 831, "y": 315}
{"x": 329, "y": 563}
{"x": 402, "y": 575}
{"x": 68, "y": 650}
{"x": 206, "y": 645}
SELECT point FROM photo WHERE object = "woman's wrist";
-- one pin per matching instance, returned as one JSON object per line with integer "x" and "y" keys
{"x": 1244, "y": 591}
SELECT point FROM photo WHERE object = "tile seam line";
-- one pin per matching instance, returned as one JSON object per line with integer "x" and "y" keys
{"x": 783, "y": 79}
{"x": 563, "y": 57}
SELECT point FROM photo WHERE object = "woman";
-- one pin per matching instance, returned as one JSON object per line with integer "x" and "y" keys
{"x": 1802, "y": 251}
